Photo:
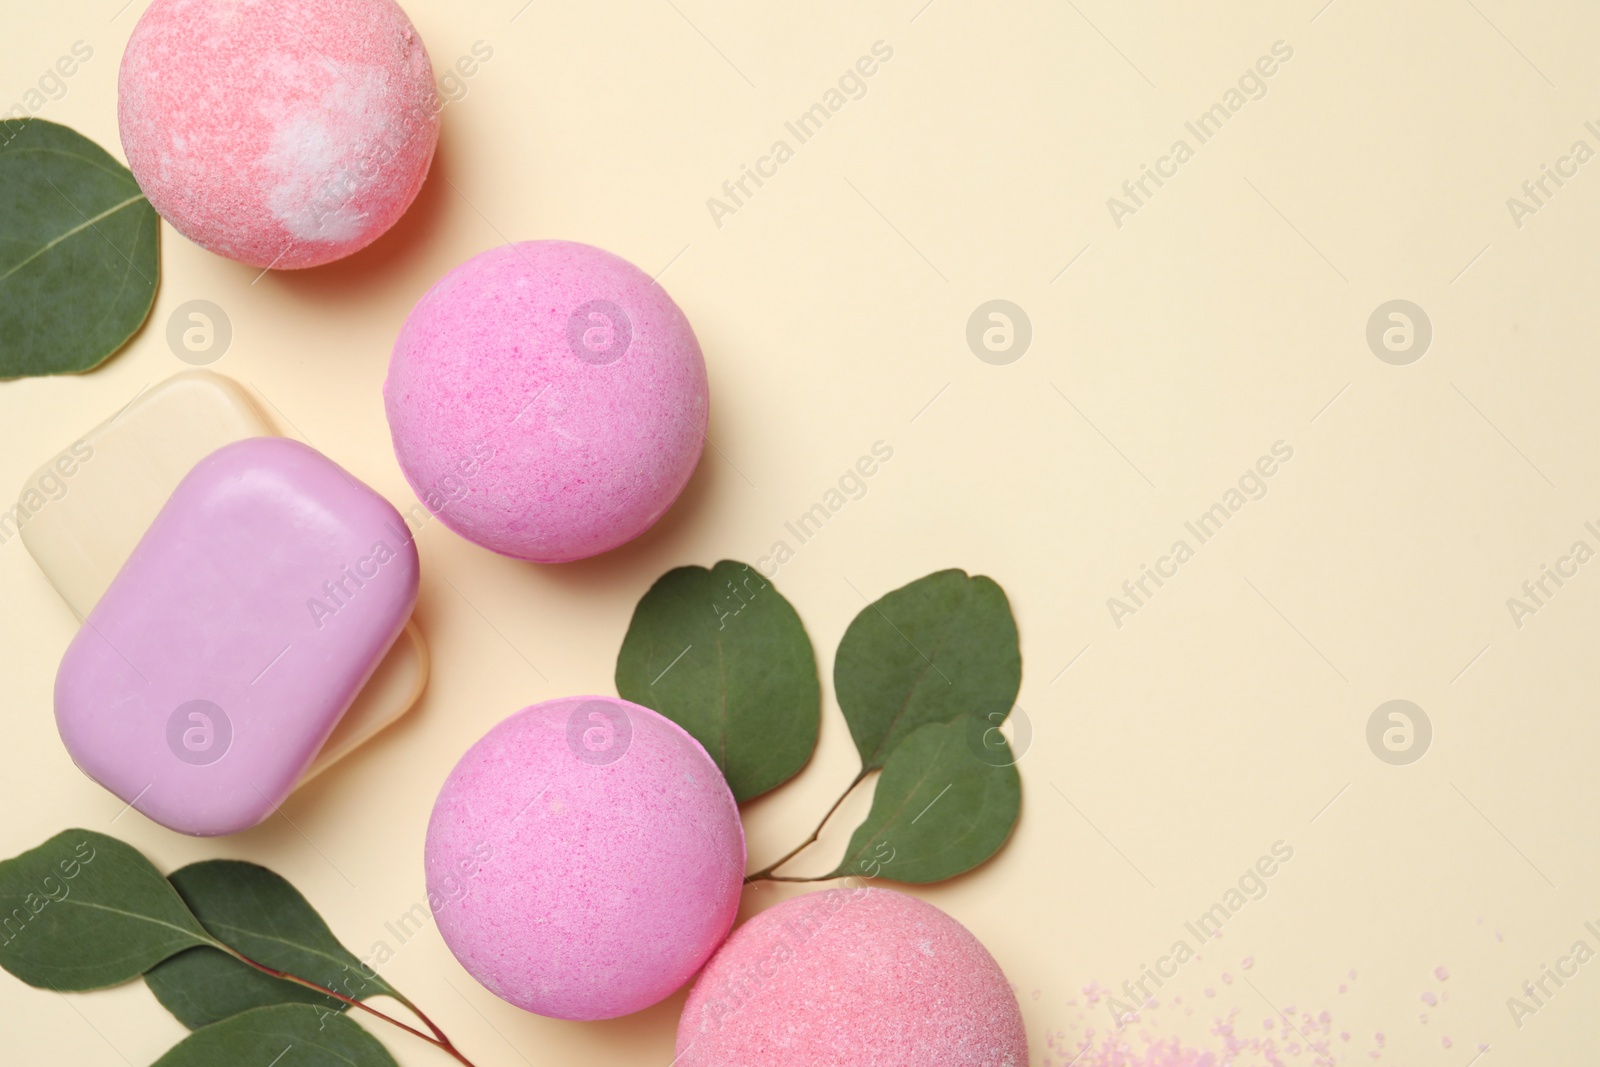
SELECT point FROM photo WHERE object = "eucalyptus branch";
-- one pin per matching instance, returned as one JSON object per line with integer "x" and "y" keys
{"x": 438, "y": 1039}
{"x": 766, "y": 873}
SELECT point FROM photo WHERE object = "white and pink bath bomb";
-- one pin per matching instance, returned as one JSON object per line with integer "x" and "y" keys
{"x": 584, "y": 858}
{"x": 858, "y": 977}
{"x": 280, "y": 133}
{"x": 547, "y": 400}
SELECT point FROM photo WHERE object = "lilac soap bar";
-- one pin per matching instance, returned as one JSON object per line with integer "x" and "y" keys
{"x": 245, "y": 622}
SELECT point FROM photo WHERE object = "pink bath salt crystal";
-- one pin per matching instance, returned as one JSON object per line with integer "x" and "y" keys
{"x": 1429, "y": 999}
{"x": 1424, "y": 1016}
{"x": 1344, "y": 1035}
{"x": 850, "y": 978}
{"x": 1247, "y": 963}
{"x": 584, "y": 858}
{"x": 1446, "y": 1042}
{"x": 280, "y": 133}
{"x": 1210, "y": 992}
{"x": 1227, "y": 978}
{"x": 1441, "y": 974}
{"x": 547, "y": 400}
{"x": 1343, "y": 988}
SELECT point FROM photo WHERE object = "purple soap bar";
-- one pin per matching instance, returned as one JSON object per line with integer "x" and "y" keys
{"x": 249, "y": 616}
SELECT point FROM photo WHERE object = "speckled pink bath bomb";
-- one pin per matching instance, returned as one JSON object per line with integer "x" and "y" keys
{"x": 280, "y": 133}
{"x": 857, "y": 977}
{"x": 584, "y": 858}
{"x": 547, "y": 400}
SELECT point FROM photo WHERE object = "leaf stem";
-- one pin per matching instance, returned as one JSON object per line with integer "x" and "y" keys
{"x": 438, "y": 1039}
{"x": 766, "y": 874}
{"x": 418, "y": 1012}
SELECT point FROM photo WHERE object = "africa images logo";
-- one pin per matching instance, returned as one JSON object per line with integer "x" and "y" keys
{"x": 599, "y": 732}
{"x": 599, "y": 332}
{"x": 199, "y": 732}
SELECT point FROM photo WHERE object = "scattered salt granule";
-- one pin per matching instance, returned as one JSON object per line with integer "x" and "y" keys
{"x": 1429, "y": 999}
{"x": 1446, "y": 1042}
{"x": 1296, "y": 1039}
{"x": 1441, "y": 974}
{"x": 1247, "y": 963}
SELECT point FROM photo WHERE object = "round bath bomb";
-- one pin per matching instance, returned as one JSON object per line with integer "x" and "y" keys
{"x": 280, "y": 133}
{"x": 857, "y": 977}
{"x": 547, "y": 400}
{"x": 584, "y": 858}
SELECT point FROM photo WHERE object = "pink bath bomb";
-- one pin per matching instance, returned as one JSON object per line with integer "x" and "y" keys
{"x": 547, "y": 400}
{"x": 280, "y": 133}
{"x": 584, "y": 858}
{"x": 858, "y": 977}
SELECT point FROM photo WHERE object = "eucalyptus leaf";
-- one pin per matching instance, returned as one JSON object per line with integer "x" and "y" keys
{"x": 288, "y": 1035}
{"x": 261, "y": 916}
{"x": 85, "y": 911}
{"x": 202, "y": 986}
{"x": 940, "y": 809}
{"x": 79, "y": 251}
{"x": 941, "y": 647}
{"x": 721, "y": 653}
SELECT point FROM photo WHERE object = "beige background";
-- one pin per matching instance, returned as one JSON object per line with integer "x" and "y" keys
{"x": 1227, "y": 314}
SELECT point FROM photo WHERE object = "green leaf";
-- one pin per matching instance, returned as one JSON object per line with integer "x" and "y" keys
{"x": 203, "y": 986}
{"x": 941, "y": 647}
{"x": 940, "y": 809}
{"x": 260, "y": 915}
{"x": 721, "y": 653}
{"x": 79, "y": 251}
{"x": 298, "y": 1035}
{"x": 85, "y": 911}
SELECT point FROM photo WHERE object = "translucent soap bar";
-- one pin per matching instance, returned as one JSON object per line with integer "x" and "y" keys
{"x": 227, "y": 648}
{"x": 82, "y": 513}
